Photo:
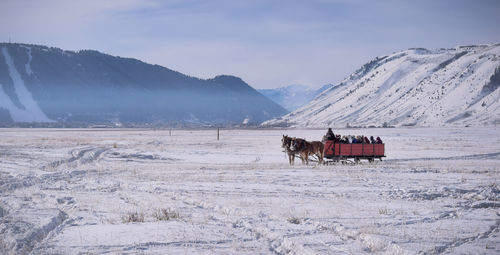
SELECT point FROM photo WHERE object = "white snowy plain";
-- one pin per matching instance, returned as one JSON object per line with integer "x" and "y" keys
{"x": 69, "y": 191}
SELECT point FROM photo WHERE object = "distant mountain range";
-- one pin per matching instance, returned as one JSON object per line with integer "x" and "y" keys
{"x": 39, "y": 84}
{"x": 415, "y": 87}
{"x": 293, "y": 96}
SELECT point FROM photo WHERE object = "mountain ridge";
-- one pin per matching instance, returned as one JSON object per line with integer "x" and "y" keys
{"x": 89, "y": 87}
{"x": 292, "y": 97}
{"x": 415, "y": 87}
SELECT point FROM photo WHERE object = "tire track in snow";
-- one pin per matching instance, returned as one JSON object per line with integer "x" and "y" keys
{"x": 373, "y": 243}
{"x": 24, "y": 228}
{"x": 461, "y": 241}
{"x": 145, "y": 246}
{"x": 21, "y": 233}
{"x": 442, "y": 216}
{"x": 79, "y": 157}
{"x": 279, "y": 244}
{"x": 9, "y": 182}
{"x": 495, "y": 155}
{"x": 490, "y": 192}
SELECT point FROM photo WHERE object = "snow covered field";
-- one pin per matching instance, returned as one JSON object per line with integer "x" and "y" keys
{"x": 71, "y": 191}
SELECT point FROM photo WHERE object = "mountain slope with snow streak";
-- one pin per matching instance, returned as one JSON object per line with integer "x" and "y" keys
{"x": 29, "y": 111}
{"x": 40, "y": 85}
{"x": 415, "y": 87}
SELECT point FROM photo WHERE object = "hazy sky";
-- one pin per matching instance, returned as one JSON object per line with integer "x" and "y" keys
{"x": 267, "y": 43}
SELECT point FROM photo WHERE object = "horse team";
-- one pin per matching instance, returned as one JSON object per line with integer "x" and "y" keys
{"x": 297, "y": 146}
{"x": 335, "y": 149}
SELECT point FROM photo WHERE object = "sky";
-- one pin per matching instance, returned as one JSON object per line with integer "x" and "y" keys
{"x": 267, "y": 43}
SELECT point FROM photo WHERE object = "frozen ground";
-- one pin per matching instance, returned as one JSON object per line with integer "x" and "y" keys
{"x": 69, "y": 192}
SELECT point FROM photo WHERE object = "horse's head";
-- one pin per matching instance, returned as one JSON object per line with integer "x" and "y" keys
{"x": 296, "y": 144}
{"x": 293, "y": 144}
{"x": 285, "y": 141}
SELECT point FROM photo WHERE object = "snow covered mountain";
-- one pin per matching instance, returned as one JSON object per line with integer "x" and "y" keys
{"x": 445, "y": 87}
{"x": 50, "y": 85}
{"x": 293, "y": 97}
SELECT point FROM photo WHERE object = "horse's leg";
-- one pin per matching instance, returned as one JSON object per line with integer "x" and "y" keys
{"x": 319, "y": 154}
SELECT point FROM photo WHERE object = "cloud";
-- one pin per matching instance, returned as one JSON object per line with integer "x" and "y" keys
{"x": 269, "y": 43}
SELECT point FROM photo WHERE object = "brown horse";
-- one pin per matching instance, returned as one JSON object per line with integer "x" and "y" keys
{"x": 302, "y": 147}
{"x": 318, "y": 149}
{"x": 305, "y": 149}
{"x": 286, "y": 143}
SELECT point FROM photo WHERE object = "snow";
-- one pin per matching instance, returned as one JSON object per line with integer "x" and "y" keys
{"x": 413, "y": 87}
{"x": 31, "y": 111}
{"x": 67, "y": 191}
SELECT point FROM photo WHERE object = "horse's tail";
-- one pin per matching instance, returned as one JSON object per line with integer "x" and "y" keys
{"x": 322, "y": 150}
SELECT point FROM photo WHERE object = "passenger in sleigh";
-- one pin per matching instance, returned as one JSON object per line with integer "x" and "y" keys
{"x": 330, "y": 136}
{"x": 359, "y": 139}
{"x": 379, "y": 140}
{"x": 344, "y": 139}
{"x": 337, "y": 139}
{"x": 365, "y": 139}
